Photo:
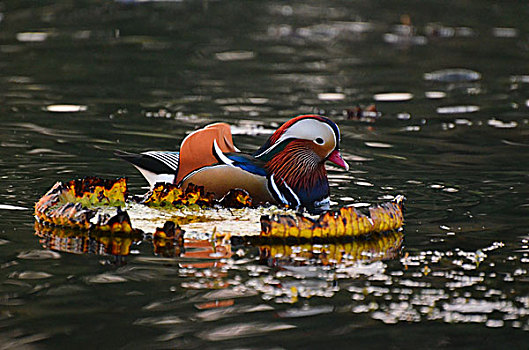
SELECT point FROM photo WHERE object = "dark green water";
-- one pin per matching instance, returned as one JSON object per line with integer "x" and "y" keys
{"x": 144, "y": 74}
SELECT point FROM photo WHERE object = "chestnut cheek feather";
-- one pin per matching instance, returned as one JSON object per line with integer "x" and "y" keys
{"x": 321, "y": 151}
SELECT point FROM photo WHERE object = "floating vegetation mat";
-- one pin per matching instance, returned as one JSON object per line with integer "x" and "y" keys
{"x": 101, "y": 209}
{"x": 345, "y": 222}
{"x": 74, "y": 205}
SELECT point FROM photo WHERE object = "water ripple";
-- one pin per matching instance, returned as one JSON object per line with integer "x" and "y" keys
{"x": 11, "y": 207}
{"x": 393, "y": 97}
{"x": 39, "y": 255}
{"x": 30, "y": 275}
{"x": 241, "y": 330}
{"x": 306, "y": 311}
{"x": 453, "y": 75}
{"x": 159, "y": 321}
{"x": 105, "y": 278}
{"x": 66, "y": 108}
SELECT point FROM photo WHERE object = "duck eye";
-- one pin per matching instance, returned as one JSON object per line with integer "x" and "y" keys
{"x": 319, "y": 141}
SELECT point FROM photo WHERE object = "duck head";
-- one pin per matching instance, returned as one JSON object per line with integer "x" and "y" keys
{"x": 295, "y": 157}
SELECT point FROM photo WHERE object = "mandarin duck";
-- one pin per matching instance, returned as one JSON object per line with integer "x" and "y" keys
{"x": 288, "y": 169}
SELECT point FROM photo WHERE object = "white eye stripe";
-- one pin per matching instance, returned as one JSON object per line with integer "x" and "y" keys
{"x": 305, "y": 130}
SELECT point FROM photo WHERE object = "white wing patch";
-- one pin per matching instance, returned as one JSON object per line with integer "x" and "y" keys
{"x": 153, "y": 178}
{"x": 220, "y": 155}
{"x": 171, "y": 159}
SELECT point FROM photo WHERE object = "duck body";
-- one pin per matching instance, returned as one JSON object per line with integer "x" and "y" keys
{"x": 232, "y": 177}
{"x": 288, "y": 169}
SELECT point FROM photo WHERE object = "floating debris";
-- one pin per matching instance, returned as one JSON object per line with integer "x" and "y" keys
{"x": 439, "y": 31}
{"x": 367, "y": 114}
{"x": 168, "y": 241}
{"x": 405, "y": 33}
{"x": 169, "y": 230}
{"x": 160, "y": 113}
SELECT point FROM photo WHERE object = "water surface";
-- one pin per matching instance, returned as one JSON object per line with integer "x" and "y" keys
{"x": 451, "y": 81}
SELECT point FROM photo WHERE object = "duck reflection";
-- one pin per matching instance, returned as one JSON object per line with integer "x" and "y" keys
{"x": 202, "y": 254}
{"x": 195, "y": 253}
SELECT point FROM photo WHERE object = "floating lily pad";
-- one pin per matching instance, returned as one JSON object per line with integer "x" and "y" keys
{"x": 345, "y": 222}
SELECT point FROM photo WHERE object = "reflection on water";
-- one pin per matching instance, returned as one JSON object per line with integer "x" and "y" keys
{"x": 375, "y": 247}
{"x": 102, "y": 242}
{"x": 378, "y": 246}
{"x": 450, "y": 87}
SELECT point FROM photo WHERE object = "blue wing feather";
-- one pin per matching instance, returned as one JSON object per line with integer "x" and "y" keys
{"x": 247, "y": 163}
